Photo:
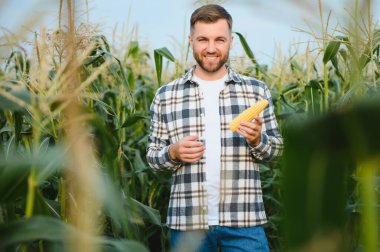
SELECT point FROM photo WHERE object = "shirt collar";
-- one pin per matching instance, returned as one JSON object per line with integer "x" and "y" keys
{"x": 233, "y": 77}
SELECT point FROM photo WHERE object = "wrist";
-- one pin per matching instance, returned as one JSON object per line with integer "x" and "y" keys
{"x": 172, "y": 155}
{"x": 255, "y": 143}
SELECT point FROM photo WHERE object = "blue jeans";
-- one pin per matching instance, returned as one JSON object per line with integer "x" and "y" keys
{"x": 250, "y": 239}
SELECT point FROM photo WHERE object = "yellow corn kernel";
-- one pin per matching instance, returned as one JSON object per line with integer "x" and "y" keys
{"x": 249, "y": 114}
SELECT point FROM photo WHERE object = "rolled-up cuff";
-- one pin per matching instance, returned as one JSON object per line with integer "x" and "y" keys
{"x": 260, "y": 150}
{"x": 168, "y": 159}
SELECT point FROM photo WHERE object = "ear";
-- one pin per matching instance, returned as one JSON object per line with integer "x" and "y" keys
{"x": 232, "y": 40}
{"x": 191, "y": 40}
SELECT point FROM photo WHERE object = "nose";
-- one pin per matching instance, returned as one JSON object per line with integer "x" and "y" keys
{"x": 211, "y": 47}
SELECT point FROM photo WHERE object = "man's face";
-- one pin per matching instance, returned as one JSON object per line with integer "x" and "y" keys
{"x": 211, "y": 44}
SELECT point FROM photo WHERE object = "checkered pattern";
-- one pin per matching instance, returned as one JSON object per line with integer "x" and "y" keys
{"x": 176, "y": 112}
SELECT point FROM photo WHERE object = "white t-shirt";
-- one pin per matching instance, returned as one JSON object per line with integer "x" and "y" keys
{"x": 211, "y": 91}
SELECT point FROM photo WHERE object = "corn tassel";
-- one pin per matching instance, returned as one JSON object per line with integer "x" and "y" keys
{"x": 249, "y": 114}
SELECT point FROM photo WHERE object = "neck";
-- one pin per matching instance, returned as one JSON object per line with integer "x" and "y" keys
{"x": 210, "y": 76}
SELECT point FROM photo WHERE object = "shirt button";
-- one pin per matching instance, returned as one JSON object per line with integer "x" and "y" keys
{"x": 204, "y": 208}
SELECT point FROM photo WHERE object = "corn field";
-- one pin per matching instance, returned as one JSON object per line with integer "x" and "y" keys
{"x": 74, "y": 121}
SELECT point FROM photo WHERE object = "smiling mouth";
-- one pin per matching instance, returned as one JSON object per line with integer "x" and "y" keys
{"x": 211, "y": 57}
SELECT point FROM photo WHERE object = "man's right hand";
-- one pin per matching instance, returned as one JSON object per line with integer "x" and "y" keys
{"x": 188, "y": 150}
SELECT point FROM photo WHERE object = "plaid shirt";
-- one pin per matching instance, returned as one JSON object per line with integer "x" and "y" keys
{"x": 176, "y": 112}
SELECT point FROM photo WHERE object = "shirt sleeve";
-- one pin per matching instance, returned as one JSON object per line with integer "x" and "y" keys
{"x": 271, "y": 142}
{"x": 158, "y": 140}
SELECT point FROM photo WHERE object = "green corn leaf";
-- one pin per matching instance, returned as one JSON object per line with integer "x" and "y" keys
{"x": 246, "y": 48}
{"x": 134, "y": 49}
{"x": 149, "y": 213}
{"x": 44, "y": 145}
{"x": 164, "y": 52}
{"x": 158, "y": 63}
{"x": 285, "y": 114}
{"x": 331, "y": 50}
{"x": 158, "y": 56}
{"x": 289, "y": 87}
{"x": 343, "y": 54}
{"x": 20, "y": 94}
{"x": 316, "y": 84}
{"x": 14, "y": 170}
{"x": 13, "y": 181}
{"x": 370, "y": 48}
{"x": 334, "y": 61}
{"x": 295, "y": 66}
{"x": 115, "y": 69}
{"x": 343, "y": 38}
{"x": 49, "y": 162}
{"x": 54, "y": 230}
{"x": 313, "y": 96}
{"x": 43, "y": 206}
{"x": 132, "y": 119}
{"x": 13, "y": 56}
{"x": 105, "y": 41}
{"x": 18, "y": 120}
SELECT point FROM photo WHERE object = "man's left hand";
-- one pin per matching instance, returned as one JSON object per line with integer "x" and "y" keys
{"x": 251, "y": 131}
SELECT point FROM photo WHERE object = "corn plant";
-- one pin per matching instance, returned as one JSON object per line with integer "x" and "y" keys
{"x": 65, "y": 113}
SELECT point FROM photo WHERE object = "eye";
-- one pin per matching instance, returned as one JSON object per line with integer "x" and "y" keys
{"x": 201, "y": 39}
{"x": 220, "y": 40}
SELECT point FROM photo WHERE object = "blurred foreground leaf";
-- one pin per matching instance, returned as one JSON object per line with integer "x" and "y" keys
{"x": 18, "y": 97}
{"x": 14, "y": 170}
{"x": 319, "y": 160}
{"x": 55, "y": 230}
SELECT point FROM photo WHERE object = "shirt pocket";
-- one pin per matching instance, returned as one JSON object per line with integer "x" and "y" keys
{"x": 184, "y": 121}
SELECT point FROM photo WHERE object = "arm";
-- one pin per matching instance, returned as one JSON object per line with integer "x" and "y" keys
{"x": 158, "y": 141}
{"x": 161, "y": 155}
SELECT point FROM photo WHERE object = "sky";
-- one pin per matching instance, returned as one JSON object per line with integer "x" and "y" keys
{"x": 267, "y": 25}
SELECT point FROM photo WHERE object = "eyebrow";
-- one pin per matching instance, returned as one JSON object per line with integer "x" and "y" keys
{"x": 204, "y": 37}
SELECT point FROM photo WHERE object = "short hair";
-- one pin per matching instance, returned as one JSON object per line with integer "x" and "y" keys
{"x": 210, "y": 13}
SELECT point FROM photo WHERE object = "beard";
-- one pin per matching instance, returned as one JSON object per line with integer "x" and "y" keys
{"x": 208, "y": 67}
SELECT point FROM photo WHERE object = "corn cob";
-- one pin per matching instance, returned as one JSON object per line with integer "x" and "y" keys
{"x": 249, "y": 114}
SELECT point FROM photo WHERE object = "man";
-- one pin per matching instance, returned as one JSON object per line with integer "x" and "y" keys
{"x": 216, "y": 183}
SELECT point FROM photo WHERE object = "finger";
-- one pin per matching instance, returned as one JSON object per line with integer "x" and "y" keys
{"x": 244, "y": 134}
{"x": 249, "y": 137}
{"x": 190, "y": 138}
{"x": 193, "y": 156}
{"x": 252, "y": 125}
{"x": 250, "y": 140}
{"x": 191, "y": 141}
{"x": 191, "y": 160}
{"x": 248, "y": 130}
{"x": 258, "y": 120}
{"x": 248, "y": 124}
{"x": 191, "y": 145}
{"x": 192, "y": 150}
